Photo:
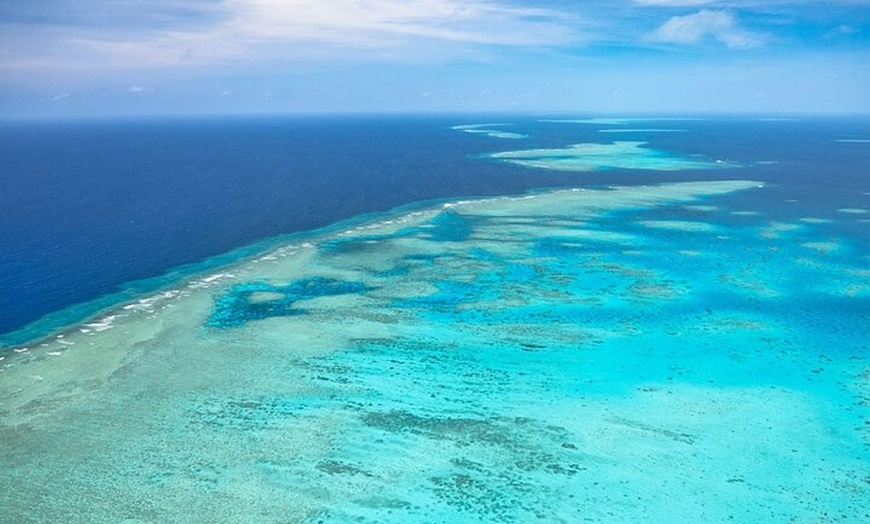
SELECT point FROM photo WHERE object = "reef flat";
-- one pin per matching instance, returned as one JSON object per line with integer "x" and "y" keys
{"x": 597, "y": 156}
{"x": 626, "y": 354}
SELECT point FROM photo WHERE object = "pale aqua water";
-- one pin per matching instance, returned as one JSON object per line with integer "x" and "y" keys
{"x": 654, "y": 353}
{"x": 555, "y": 358}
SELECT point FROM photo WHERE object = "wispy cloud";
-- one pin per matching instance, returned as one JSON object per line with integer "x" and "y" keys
{"x": 672, "y": 3}
{"x": 235, "y": 31}
{"x": 749, "y": 4}
{"x": 720, "y": 26}
{"x": 382, "y": 21}
{"x": 267, "y": 55}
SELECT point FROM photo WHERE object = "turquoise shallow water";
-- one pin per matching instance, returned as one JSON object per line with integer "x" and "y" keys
{"x": 616, "y": 155}
{"x": 657, "y": 353}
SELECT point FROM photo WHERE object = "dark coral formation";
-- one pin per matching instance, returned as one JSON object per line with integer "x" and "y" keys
{"x": 237, "y": 307}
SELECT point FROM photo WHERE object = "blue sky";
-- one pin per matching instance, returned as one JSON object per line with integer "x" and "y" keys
{"x": 128, "y": 57}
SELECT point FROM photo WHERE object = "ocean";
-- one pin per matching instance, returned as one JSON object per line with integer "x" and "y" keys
{"x": 453, "y": 318}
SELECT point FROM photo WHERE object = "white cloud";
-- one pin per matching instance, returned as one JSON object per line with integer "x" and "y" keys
{"x": 718, "y": 25}
{"x": 263, "y": 31}
{"x": 351, "y": 21}
{"x": 674, "y": 3}
{"x": 845, "y": 29}
{"x": 748, "y": 4}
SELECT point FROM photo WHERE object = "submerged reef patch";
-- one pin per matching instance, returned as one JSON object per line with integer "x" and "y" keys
{"x": 259, "y": 300}
{"x": 619, "y": 121}
{"x": 602, "y": 157}
{"x": 450, "y": 226}
{"x": 644, "y": 130}
{"x": 483, "y": 129}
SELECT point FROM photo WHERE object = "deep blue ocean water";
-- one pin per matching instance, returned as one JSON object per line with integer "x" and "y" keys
{"x": 86, "y": 208}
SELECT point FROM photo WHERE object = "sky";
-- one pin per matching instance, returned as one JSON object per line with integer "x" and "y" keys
{"x": 80, "y": 58}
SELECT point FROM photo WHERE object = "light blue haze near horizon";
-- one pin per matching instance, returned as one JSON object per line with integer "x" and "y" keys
{"x": 104, "y": 58}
